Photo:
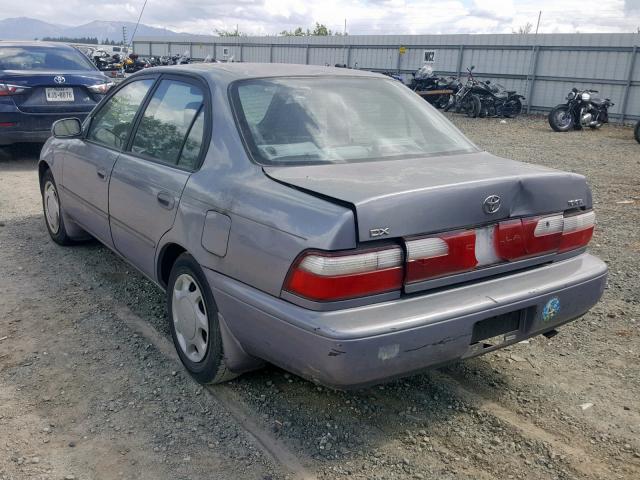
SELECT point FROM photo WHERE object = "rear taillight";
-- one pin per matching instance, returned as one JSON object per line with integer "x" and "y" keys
{"x": 445, "y": 254}
{"x": 330, "y": 276}
{"x": 338, "y": 276}
{"x": 101, "y": 88}
{"x": 9, "y": 89}
{"x": 577, "y": 231}
{"x": 517, "y": 239}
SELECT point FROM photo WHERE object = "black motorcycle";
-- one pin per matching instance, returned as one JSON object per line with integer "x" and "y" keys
{"x": 435, "y": 90}
{"x": 467, "y": 98}
{"x": 583, "y": 109}
{"x": 497, "y": 101}
{"x": 636, "y": 131}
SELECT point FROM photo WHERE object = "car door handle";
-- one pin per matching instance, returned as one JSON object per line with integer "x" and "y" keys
{"x": 102, "y": 173}
{"x": 166, "y": 200}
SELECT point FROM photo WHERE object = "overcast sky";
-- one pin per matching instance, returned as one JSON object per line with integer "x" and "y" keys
{"x": 363, "y": 16}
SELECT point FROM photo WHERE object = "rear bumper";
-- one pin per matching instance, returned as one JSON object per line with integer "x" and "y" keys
{"x": 30, "y": 127}
{"x": 365, "y": 345}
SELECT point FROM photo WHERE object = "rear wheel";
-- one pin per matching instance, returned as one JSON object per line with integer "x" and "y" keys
{"x": 52, "y": 208}
{"x": 512, "y": 108}
{"x": 560, "y": 119}
{"x": 193, "y": 321}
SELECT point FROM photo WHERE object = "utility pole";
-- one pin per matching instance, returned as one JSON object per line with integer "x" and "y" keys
{"x": 538, "y": 24}
{"x": 137, "y": 23}
{"x": 124, "y": 35}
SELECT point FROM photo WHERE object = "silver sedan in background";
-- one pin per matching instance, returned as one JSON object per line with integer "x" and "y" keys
{"x": 326, "y": 220}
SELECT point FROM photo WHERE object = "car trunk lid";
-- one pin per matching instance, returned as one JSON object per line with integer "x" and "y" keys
{"x": 402, "y": 198}
{"x": 35, "y": 99}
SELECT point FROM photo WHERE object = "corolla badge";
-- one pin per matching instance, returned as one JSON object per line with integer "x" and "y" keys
{"x": 491, "y": 204}
{"x": 59, "y": 79}
{"x": 551, "y": 309}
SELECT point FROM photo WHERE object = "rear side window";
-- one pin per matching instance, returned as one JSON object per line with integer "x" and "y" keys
{"x": 168, "y": 121}
{"x": 112, "y": 124}
{"x": 43, "y": 58}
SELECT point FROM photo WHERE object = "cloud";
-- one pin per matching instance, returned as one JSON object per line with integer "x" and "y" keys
{"x": 262, "y": 17}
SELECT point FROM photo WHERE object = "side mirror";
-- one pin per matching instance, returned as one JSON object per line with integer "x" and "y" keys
{"x": 67, "y": 128}
{"x": 472, "y": 67}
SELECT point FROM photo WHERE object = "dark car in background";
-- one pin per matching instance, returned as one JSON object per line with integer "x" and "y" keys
{"x": 43, "y": 82}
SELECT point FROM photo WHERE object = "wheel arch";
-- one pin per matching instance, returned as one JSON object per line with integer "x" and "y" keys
{"x": 168, "y": 255}
{"x": 43, "y": 166}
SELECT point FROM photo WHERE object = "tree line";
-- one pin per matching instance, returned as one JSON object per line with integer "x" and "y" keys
{"x": 320, "y": 30}
{"x": 87, "y": 40}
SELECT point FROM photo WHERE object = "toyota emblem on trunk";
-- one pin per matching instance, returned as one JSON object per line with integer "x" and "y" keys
{"x": 59, "y": 79}
{"x": 491, "y": 204}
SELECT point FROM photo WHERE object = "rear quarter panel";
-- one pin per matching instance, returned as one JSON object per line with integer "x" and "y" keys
{"x": 270, "y": 223}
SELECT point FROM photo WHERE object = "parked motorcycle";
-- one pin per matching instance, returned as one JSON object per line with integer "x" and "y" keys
{"x": 582, "y": 109}
{"x": 134, "y": 63}
{"x": 435, "y": 90}
{"x": 497, "y": 101}
{"x": 467, "y": 98}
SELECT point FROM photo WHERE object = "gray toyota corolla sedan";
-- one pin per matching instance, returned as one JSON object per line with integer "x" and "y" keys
{"x": 326, "y": 220}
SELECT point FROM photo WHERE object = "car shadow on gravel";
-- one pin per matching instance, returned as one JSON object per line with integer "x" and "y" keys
{"x": 20, "y": 156}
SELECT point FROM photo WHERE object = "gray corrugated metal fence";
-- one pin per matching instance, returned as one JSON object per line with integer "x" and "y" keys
{"x": 542, "y": 67}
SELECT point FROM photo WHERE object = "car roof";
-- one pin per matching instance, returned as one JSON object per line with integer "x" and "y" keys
{"x": 229, "y": 72}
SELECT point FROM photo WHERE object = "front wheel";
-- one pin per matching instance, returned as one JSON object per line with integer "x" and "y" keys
{"x": 473, "y": 107}
{"x": 560, "y": 119}
{"x": 636, "y": 132}
{"x": 451, "y": 101}
{"x": 193, "y": 321}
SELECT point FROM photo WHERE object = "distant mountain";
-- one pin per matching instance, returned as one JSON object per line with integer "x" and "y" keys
{"x": 24, "y": 28}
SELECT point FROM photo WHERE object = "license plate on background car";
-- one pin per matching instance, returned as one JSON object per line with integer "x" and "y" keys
{"x": 59, "y": 94}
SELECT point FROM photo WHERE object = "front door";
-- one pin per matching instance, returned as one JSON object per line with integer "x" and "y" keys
{"x": 88, "y": 162}
{"x": 148, "y": 178}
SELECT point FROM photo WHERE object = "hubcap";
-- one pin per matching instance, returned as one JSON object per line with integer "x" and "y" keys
{"x": 563, "y": 118}
{"x": 52, "y": 207}
{"x": 190, "y": 318}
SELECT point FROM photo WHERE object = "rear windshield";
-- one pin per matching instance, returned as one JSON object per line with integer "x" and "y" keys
{"x": 302, "y": 120}
{"x": 43, "y": 58}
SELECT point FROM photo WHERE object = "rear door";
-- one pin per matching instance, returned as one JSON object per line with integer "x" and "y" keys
{"x": 148, "y": 178}
{"x": 88, "y": 162}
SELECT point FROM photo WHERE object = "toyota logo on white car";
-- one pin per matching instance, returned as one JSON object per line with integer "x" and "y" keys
{"x": 59, "y": 79}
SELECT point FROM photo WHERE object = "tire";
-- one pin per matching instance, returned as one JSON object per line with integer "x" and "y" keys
{"x": 514, "y": 108}
{"x": 636, "y": 132}
{"x": 193, "y": 321}
{"x": 450, "y": 103}
{"x": 557, "y": 119}
{"x": 473, "y": 106}
{"x": 52, "y": 210}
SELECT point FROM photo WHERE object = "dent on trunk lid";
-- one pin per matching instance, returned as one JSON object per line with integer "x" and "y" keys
{"x": 424, "y": 195}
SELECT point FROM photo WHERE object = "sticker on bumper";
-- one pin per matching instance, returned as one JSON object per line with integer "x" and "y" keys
{"x": 551, "y": 309}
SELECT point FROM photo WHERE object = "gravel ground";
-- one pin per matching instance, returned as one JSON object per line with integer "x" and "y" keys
{"x": 90, "y": 386}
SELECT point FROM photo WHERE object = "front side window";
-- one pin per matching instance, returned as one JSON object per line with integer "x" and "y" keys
{"x": 167, "y": 121}
{"x": 43, "y": 58}
{"x": 300, "y": 120}
{"x": 112, "y": 124}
